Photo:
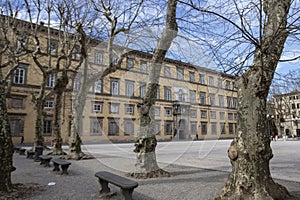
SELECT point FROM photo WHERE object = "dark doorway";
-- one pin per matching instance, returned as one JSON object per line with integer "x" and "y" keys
{"x": 182, "y": 129}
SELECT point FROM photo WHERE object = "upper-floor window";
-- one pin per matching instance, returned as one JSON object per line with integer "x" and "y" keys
{"x": 181, "y": 96}
{"x": 130, "y": 63}
{"x": 180, "y": 73}
{"x": 114, "y": 87}
{"x": 212, "y": 99}
{"x": 156, "y": 111}
{"x": 211, "y": 81}
{"x": 129, "y": 109}
{"x": 203, "y": 113}
{"x": 193, "y": 96}
{"x": 98, "y": 58}
{"x": 220, "y": 84}
{"x": 142, "y": 90}
{"x": 221, "y": 100}
{"x": 114, "y": 108}
{"x": 192, "y": 76}
{"x": 157, "y": 93}
{"x": 167, "y": 71}
{"x": 202, "y": 78}
{"x": 97, "y": 107}
{"x": 51, "y": 81}
{"x": 20, "y": 74}
{"x": 202, "y": 98}
{"x": 49, "y": 104}
{"x": 193, "y": 113}
{"x": 227, "y": 85}
{"x": 235, "y": 102}
{"x": 76, "y": 52}
{"x": 168, "y": 112}
{"x": 167, "y": 93}
{"x": 76, "y": 83}
{"x": 98, "y": 86}
{"x": 222, "y": 115}
{"x": 53, "y": 48}
{"x": 143, "y": 66}
{"x": 229, "y": 102}
{"x": 213, "y": 114}
{"x": 16, "y": 102}
{"x": 129, "y": 88}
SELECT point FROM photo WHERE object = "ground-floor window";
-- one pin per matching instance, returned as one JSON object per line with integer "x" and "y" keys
{"x": 168, "y": 127}
{"x": 96, "y": 125}
{"x": 128, "y": 127}
{"x": 16, "y": 125}
{"x": 203, "y": 128}
{"x": 47, "y": 127}
{"x": 113, "y": 127}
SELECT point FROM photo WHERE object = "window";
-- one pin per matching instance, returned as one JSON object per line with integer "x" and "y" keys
{"x": 227, "y": 85}
{"x": 115, "y": 60}
{"x": 168, "y": 112}
{"x": 142, "y": 90}
{"x": 213, "y": 127}
{"x": 230, "y": 128}
{"x": 98, "y": 86}
{"x": 114, "y": 86}
{"x": 193, "y": 96}
{"x": 233, "y": 86}
{"x": 222, "y": 128}
{"x": 96, "y": 126}
{"x": 193, "y": 113}
{"x": 221, "y": 100}
{"x": 47, "y": 127}
{"x": 129, "y": 64}
{"x": 167, "y": 71}
{"x": 293, "y": 106}
{"x": 53, "y": 47}
{"x": 229, "y": 105}
{"x": 143, "y": 66}
{"x": 16, "y": 102}
{"x": 168, "y": 127}
{"x": 49, "y": 104}
{"x": 76, "y": 52}
{"x": 98, "y": 58}
{"x": 181, "y": 96}
{"x": 203, "y": 128}
{"x": 128, "y": 127}
{"x": 202, "y": 78}
{"x": 203, "y": 98}
{"x": 203, "y": 114}
{"x": 230, "y": 116}
{"x": 192, "y": 76}
{"x": 129, "y": 88}
{"x": 129, "y": 109}
{"x": 76, "y": 83}
{"x": 113, "y": 127}
{"x": 157, "y": 127}
{"x": 211, "y": 81}
{"x": 222, "y": 115}
{"x": 156, "y": 111}
{"x": 157, "y": 93}
{"x": 180, "y": 73}
{"x": 51, "y": 81}
{"x": 220, "y": 84}
{"x": 97, "y": 107}
{"x": 20, "y": 74}
{"x": 114, "y": 108}
{"x": 213, "y": 114}
{"x": 235, "y": 102}
{"x": 212, "y": 99}
{"x": 194, "y": 128}
{"x": 16, "y": 125}
{"x": 167, "y": 94}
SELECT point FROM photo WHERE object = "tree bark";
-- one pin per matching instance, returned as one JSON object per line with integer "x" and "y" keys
{"x": 250, "y": 152}
{"x": 59, "y": 88}
{"x": 6, "y": 145}
{"x": 146, "y": 164}
{"x": 39, "y": 122}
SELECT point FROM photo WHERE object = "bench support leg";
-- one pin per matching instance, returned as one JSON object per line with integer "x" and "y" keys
{"x": 64, "y": 169}
{"x": 127, "y": 193}
{"x": 56, "y": 167}
{"x": 104, "y": 187}
{"x": 47, "y": 163}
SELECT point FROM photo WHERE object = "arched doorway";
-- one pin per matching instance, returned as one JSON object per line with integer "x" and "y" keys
{"x": 182, "y": 129}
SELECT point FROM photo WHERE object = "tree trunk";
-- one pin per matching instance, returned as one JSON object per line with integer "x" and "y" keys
{"x": 39, "y": 122}
{"x": 59, "y": 88}
{"x": 250, "y": 152}
{"x": 6, "y": 145}
{"x": 146, "y": 164}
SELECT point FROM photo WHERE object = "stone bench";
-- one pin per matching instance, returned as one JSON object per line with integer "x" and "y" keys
{"x": 127, "y": 186}
{"x": 22, "y": 151}
{"x": 63, "y": 164}
{"x": 45, "y": 160}
{"x": 30, "y": 154}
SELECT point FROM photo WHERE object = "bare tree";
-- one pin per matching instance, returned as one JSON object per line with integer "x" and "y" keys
{"x": 247, "y": 40}
{"x": 10, "y": 53}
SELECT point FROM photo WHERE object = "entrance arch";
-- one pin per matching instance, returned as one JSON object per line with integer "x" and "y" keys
{"x": 182, "y": 130}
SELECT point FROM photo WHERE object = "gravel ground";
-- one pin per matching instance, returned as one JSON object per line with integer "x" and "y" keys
{"x": 81, "y": 184}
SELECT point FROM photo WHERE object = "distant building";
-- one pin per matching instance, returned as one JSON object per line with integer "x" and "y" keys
{"x": 191, "y": 100}
{"x": 287, "y": 113}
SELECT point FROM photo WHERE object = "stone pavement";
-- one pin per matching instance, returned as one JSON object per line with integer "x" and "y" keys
{"x": 187, "y": 182}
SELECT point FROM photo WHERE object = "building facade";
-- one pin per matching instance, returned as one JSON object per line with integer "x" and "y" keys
{"x": 192, "y": 102}
{"x": 287, "y": 113}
